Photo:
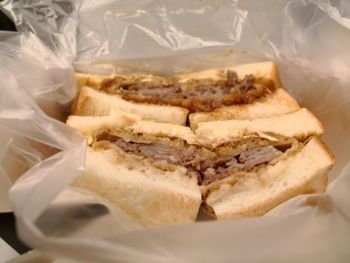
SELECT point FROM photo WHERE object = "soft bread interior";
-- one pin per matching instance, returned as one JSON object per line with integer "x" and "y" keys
{"x": 274, "y": 104}
{"x": 88, "y": 125}
{"x": 151, "y": 195}
{"x": 92, "y": 102}
{"x": 299, "y": 124}
{"x": 164, "y": 130}
{"x": 256, "y": 193}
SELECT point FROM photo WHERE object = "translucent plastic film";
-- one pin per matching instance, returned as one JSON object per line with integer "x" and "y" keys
{"x": 34, "y": 80}
{"x": 308, "y": 39}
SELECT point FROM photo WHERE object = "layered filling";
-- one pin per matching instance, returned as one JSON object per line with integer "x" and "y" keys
{"x": 175, "y": 152}
{"x": 209, "y": 164}
{"x": 202, "y": 95}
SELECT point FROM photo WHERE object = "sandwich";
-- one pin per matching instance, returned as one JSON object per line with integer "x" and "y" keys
{"x": 231, "y": 168}
{"x": 141, "y": 166}
{"x": 230, "y": 141}
{"x": 274, "y": 159}
{"x": 245, "y": 91}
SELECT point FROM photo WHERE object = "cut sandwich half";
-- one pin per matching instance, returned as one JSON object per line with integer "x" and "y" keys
{"x": 153, "y": 193}
{"x": 253, "y": 89}
{"x": 300, "y": 170}
{"x": 269, "y": 160}
{"x": 145, "y": 168}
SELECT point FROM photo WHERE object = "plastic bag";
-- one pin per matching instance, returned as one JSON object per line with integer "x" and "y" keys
{"x": 308, "y": 39}
{"x": 33, "y": 80}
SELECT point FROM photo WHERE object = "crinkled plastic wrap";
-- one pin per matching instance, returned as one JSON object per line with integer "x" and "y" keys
{"x": 33, "y": 80}
{"x": 308, "y": 39}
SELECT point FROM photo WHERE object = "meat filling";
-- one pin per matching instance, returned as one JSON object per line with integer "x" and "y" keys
{"x": 197, "y": 95}
{"x": 246, "y": 161}
{"x": 210, "y": 167}
{"x": 186, "y": 156}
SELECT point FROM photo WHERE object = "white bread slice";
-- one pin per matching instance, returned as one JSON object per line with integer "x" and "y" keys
{"x": 264, "y": 72}
{"x": 256, "y": 193}
{"x": 277, "y": 103}
{"x": 299, "y": 124}
{"x": 88, "y": 125}
{"x": 165, "y": 130}
{"x": 150, "y": 195}
{"x": 92, "y": 102}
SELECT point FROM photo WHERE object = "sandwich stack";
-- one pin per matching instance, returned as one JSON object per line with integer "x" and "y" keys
{"x": 230, "y": 141}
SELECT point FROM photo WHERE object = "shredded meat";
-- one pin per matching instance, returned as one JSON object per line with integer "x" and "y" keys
{"x": 211, "y": 166}
{"x": 221, "y": 168}
{"x": 259, "y": 155}
{"x": 186, "y": 156}
{"x": 196, "y": 95}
